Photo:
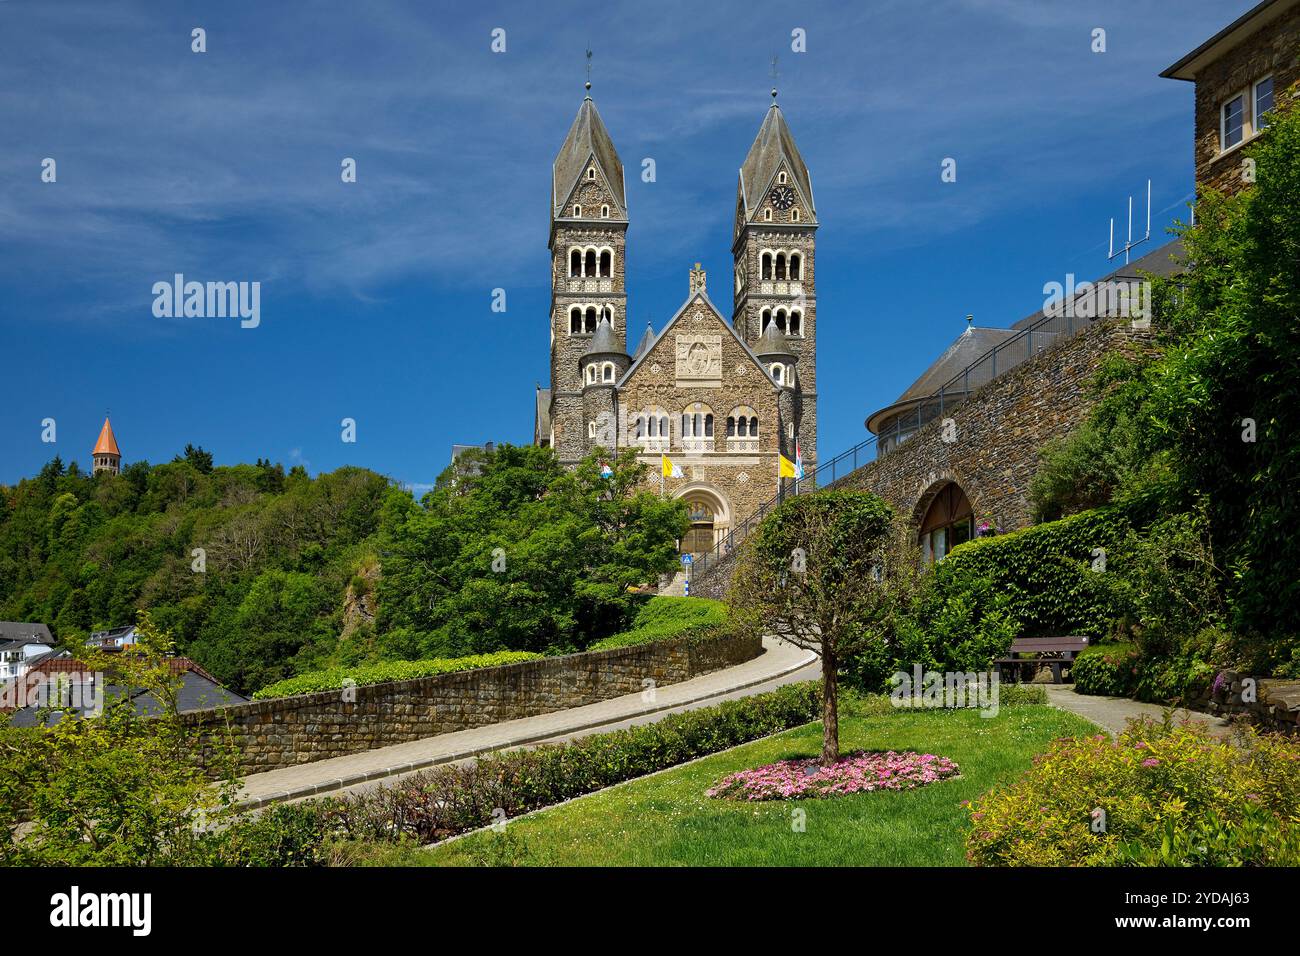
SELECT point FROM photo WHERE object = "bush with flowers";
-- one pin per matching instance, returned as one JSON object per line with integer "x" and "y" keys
{"x": 861, "y": 771}
{"x": 1160, "y": 794}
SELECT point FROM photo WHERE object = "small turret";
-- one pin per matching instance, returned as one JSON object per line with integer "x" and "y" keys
{"x": 106, "y": 456}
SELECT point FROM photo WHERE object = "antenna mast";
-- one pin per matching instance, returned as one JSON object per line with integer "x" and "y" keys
{"x": 1129, "y": 243}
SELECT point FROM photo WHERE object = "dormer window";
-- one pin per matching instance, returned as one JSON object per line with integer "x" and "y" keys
{"x": 577, "y": 209}
{"x": 604, "y": 212}
{"x": 781, "y": 177}
{"x": 591, "y": 172}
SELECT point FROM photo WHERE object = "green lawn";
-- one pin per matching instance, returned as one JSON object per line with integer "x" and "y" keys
{"x": 666, "y": 820}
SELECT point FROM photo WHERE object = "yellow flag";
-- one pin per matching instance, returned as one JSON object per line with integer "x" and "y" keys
{"x": 785, "y": 469}
{"x": 669, "y": 470}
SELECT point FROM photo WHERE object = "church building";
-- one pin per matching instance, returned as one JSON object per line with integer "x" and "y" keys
{"x": 721, "y": 399}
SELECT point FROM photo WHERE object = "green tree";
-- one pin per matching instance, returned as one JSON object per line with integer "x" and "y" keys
{"x": 812, "y": 574}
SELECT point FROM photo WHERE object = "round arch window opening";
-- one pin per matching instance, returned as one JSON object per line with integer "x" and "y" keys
{"x": 948, "y": 522}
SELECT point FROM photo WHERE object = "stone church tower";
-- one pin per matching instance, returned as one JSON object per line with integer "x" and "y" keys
{"x": 721, "y": 400}
{"x": 106, "y": 456}
{"x": 588, "y": 240}
{"x": 774, "y": 247}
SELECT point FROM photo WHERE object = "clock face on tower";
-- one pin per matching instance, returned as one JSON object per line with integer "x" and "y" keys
{"x": 782, "y": 197}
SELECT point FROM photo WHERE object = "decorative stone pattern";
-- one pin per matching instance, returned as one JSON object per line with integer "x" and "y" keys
{"x": 286, "y": 731}
{"x": 1271, "y": 50}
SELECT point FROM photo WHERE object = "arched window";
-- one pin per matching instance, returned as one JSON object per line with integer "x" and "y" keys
{"x": 591, "y": 172}
{"x": 767, "y": 265}
{"x": 575, "y": 263}
{"x": 767, "y": 319}
{"x": 796, "y": 322}
{"x": 606, "y": 263}
{"x": 781, "y": 177}
{"x": 608, "y": 313}
{"x": 591, "y": 374}
{"x": 591, "y": 319}
{"x": 742, "y": 429}
{"x": 575, "y": 320}
{"x": 604, "y": 212}
{"x": 607, "y": 372}
{"x": 780, "y": 319}
{"x": 948, "y": 522}
{"x": 591, "y": 429}
{"x": 794, "y": 215}
{"x": 778, "y": 373}
{"x": 780, "y": 265}
{"x": 697, "y": 422}
{"x": 577, "y": 210}
{"x": 796, "y": 265}
{"x": 767, "y": 215}
{"x": 590, "y": 265}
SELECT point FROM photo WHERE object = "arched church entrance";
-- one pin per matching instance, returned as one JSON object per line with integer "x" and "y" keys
{"x": 710, "y": 518}
{"x": 947, "y": 522}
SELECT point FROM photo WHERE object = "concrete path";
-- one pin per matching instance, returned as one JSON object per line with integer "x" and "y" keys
{"x": 780, "y": 663}
{"x": 1113, "y": 713}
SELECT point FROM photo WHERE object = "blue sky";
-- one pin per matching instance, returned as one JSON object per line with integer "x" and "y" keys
{"x": 376, "y": 296}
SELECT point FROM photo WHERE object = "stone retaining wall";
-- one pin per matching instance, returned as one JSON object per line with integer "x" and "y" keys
{"x": 287, "y": 731}
{"x": 1275, "y": 704}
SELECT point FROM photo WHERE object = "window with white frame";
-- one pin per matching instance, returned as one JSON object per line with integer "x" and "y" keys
{"x": 742, "y": 429}
{"x": 697, "y": 427}
{"x": 607, "y": 372}
{"x": 1263, "y": 100}
{"x": 1232, "y": 122}
{"x": 591, "y": 375}
{"x": 577, "y": 209}
{"x": 604, "y": 212}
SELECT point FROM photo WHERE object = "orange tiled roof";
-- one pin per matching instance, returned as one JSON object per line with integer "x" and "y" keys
{"x": 107, "y": 444}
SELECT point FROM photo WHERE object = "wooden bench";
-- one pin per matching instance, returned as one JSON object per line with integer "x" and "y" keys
{"x": 1052, "y": 651}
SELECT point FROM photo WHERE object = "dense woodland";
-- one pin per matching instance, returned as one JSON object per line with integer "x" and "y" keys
{"x": 300, "y": 572}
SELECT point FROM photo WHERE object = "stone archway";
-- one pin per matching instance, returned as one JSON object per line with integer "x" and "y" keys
{"x": 710, "y": 515}
{"x": 943, "y": 518}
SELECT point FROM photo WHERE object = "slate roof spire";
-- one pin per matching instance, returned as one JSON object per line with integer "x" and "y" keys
{"x": 773, "y": 148}
{"x": 588, "y": 141}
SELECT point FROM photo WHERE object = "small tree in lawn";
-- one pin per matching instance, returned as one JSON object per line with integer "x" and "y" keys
{"x": 814, "y": 574}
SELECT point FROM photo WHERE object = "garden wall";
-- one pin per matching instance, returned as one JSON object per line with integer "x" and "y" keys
{"x": 286, "y": 731}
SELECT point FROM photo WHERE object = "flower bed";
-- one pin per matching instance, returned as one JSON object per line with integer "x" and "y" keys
{"x": 861, "y": 771}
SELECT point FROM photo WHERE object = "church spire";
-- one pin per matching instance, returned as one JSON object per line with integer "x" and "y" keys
{"x": 588, "y": 154}
{"x": 106, "y": 456}
{"x": 773, "y": 152}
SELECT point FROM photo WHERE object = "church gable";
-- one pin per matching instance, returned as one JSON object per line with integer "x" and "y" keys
{"x": 591, "y": 194}
{"x": 698, "y": 350}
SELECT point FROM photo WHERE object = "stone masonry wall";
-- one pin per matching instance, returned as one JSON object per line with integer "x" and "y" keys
{"x": 1275, "y": 50}
{"x": 999, "y": 433}
{"x": 287, "y": 731}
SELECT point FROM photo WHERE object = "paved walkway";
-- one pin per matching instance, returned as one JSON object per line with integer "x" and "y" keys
{"x": 779, "y": 664}
{"x": 1113, "y": 713}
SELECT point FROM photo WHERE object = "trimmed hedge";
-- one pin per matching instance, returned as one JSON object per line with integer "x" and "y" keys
{"x": 332, "y": 679}
{"x": 452, "y": 799}
{"x": 662, "y": 618}
{"x": 1108, "y": 669}
{"x": 1046, "y": 573}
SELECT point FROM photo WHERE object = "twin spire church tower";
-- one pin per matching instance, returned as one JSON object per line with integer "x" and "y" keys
{"x": 721, "y": 399}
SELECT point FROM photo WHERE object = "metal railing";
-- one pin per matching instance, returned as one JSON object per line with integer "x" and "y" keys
{"x": 1001, "y": 358}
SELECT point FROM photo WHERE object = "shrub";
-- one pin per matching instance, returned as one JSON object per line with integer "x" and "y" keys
{"x": 1108, "y": 669}
{"x": 1047, "y": 573}
{"x": 333, "y": 678}
{"x": 1167, "y": 794}
{"x": 662, "y": 618}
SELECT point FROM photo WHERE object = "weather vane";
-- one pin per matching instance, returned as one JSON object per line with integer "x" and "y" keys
{"x": 588, "y": 67}
{"x": 775, "y": 74}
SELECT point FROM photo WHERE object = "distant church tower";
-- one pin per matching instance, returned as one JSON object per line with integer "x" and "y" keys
{"x": 588, "y": 241}
{"x": 106, "y": 456}
{"x": 775, "y": 250}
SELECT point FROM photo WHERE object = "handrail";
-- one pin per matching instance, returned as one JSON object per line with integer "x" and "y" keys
{"x": 1062, "y": 319}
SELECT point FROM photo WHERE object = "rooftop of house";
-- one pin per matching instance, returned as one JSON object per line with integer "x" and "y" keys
{"x": 14, "y": 633}
{"x": 1189, "y": 66}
